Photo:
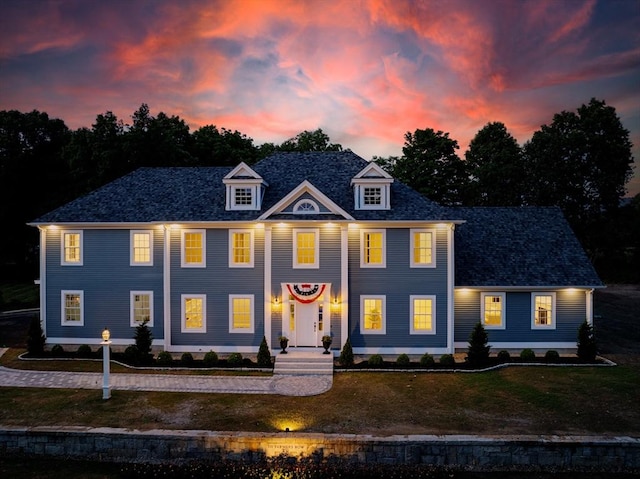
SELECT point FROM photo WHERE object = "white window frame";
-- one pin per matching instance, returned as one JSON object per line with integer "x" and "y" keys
{"x": 412, "y": 262}
{"x": 412, "y": 300}
{"x": 243, "y": 206}
{"x": 383, "y": 314}
{"x": 363, "y": 263}
{"x": 63, "y": 315}
{"x": 306, "y": 201}
{"x": 553, "y": 310}
{"x": 251, "y": 327}
{"x": 183, "y": 313}
{"x": 503, "y": 301}
{"x": 316, "y": 234}
{"x": 232, "y": 263}
{"x": 384, "y": 196}
{"x": 203, "y": 263}
{"x": 63, "y": 248}
{"x": 132, "y": 296}
{"x": 132, "y": 260}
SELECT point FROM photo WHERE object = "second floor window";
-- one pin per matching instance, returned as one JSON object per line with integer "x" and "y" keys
{"x": 193, "y": 249}
{"x": 241, "y": 248}
{"x": 372, "y": 249}
{"x": 72, "y": 248}
{"x": 141, "y": 248}
{"x": 305, "y": 248}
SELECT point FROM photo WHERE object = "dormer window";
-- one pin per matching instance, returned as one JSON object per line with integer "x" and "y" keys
{"x": 242, "y": 196}
{"x": 372, "y": 195}
{"x": 245, "y": 189}
{"x": 372, "y": 188}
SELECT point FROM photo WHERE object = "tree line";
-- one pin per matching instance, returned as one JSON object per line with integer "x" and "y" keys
{"x": 580, "y": 162}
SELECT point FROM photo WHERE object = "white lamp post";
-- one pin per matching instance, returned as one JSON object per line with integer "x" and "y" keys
{"x": 106, "y": 389}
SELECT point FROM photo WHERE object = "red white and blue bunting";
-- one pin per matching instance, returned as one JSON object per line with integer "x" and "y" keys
{"x": 305, "y": 292}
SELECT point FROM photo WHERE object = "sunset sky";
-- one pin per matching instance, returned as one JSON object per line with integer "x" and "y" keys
{"x": 365, "y": 71}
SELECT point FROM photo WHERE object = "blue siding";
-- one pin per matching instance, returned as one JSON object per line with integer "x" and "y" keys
{"x": 398, "y": 281}
{"x": 107, "y": 280}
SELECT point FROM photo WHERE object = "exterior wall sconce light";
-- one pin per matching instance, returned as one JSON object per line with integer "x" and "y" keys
{"x": 106, "y": 343}
{"x": 335, "y": 305}
{"x": 276, "y": 303}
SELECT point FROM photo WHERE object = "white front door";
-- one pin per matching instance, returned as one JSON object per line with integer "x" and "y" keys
{"x": 306, "y": 324}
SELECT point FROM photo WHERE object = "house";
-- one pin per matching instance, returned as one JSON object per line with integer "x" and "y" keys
{"x": 305, "y": 245}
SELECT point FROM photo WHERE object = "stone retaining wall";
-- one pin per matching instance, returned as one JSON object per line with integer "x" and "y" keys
{"x": 477, "y": 452}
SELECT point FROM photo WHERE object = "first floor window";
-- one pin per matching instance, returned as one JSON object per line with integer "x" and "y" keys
{"x": 141, "y": 308}
{"x": 423, "y": 309}
{"x": 194, "y": 313}
{"x": 493, "y": 310}
{"x": 544, "y": 310}
{"x": 73, "y": 308}
{"x": 72, "y": 248}
{"x": 141, "y": 248}
{"x": 372, "y": 314}
{"x": 241, "y": 313}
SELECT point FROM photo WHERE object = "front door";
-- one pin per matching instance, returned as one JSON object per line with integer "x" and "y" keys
{"x": 306, "y": 316}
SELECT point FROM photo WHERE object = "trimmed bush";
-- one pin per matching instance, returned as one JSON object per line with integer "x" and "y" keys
{"x": 264, "y": 355}
{"x": 35, "y": 337}
{"x": 234, "y": 360}
{"x": 210, "y": 359}
{"x": 403, "y": 360}
{"x": 447, "y": 360}
{"x": 551, "y": 356}
{"x": 57, "y": 350}
{"x": 164, "y": 358}
{"x": 587, "y": 347}
{"x": 346, "y": 355}
{"x": 186, "y": 359}
{"x": 504, "y": 356}
{"x": 144, "y": 340}
{"x": 84, "y": 351}
{"x": 131, "y": 354}
{"x": 528, "y": 355}
{"x": 478, "y": 349}
{"x": 427, "y": 360}
{"x": 376, "y": 360}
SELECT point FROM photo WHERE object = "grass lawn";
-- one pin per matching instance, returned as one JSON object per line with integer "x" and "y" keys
{"x": 18, "y": 295}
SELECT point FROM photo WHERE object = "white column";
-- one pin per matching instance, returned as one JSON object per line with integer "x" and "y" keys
{"x": 268, "y": 304}
{"x": 344, "y": 284}
{"x": 166, "y": 287}
{"x": 589, "y": 306}
{"x": 106, "y": 387}
{"x": 450, "y": 287}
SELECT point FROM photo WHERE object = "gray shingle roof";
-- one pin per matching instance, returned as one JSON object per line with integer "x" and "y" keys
{"x": 519, "y": 247}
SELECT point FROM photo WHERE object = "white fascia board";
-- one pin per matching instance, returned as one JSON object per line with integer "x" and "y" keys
{"x": 380, "y": 172}
{"x": 242, "y": 170}
{"x": 524, "y": 288}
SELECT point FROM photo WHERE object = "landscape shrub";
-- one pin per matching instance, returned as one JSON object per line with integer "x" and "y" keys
{"x": 144, "y": 340}
{"x": 587, "y": 347}
{"x": 376, "y": 360}
{"x": 504, "y": 356}
{"x": 57, "y": 350}
{"x": 527, "y": 355}
{"x": 427, "y": 360}
{"x": 164, "y": 358}
{"x": 264, "y": 355}
{"x": 552, "y": 356}
{"x": 186, "y": 359}
{"x": 210, "y": 359}
{"x": 35, "y": 337}
{"x": 234, "y": 360}
{"x": 478, "y": 349}
{"x": 447, "y": 360}
{"x": 84, "y": 351}
{"x": 403, "y": 360}
{"x": 346, "y": 355}
{"x": 131, "y": 354}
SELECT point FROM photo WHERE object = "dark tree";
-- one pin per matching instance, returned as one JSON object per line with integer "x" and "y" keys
{"x": 35, "y": 337}
{"x": 496, "y": 170}
{"x": 316, "y": 140}
{"x": 144, "y": 340}
{"x": 346, "y": 355}
{"x": 587, "y": 347}
{"x": 478, "y": 349}
{"x": 213, "y": 147}
{"x": 264, "y": 355}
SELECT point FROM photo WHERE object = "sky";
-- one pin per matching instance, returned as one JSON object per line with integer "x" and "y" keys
{"x": 365, "y": 71}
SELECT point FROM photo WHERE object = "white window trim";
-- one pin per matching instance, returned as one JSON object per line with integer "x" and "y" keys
{"x": 250, "y": 264}
{"x": 132, "y": 260}
{"x": 412, "y": 329}
{"x": 133, "y": 322}
{"x": 553, "y": 310}
{"x": 254, "y": 193}
{"x": 383, "y": 314}
{"x": 316, "y": 263}
{"x": 183, "y": 318}
{"x": 503, "y": 300}
{"x": 306, "y": 201}
{"x": 412, "y": 262}
{"x": 251, "y": 327}
{"x": 63, "y": 293}
{"x": 64, "y": 262}
{"x": 203, "y": 263}
{"x": 384, "y": 196}
{"x": 363, "y": 264}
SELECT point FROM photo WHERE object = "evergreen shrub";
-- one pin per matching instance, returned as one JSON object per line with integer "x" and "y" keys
{"x": 587, "y": 347}
{"x": 552, "y": 356}
{"x": 57, "y": 350}
{"x": 427, "y": 360}
{"x": 35, "y": 337}
{"x": 403, "y": 360}
{"x": 164, "y": 358}
{"x": 264, "y": 355}
{"x": 478, "y": 349}
{"x": 210, "y": 359}
{"x": 504, "y": 356}
{"x": 131, "y": 354}
{"x": 447, "y": 360}
{"x": 186, "y": 359}
{"x": 346, "y": 355}
{"x": 84, "y": 351}
{"x": 376, "y": 360}
{"x": 527, "y": 355}
{"x": 234, "y": 360}
{"x": 144, "y": 340}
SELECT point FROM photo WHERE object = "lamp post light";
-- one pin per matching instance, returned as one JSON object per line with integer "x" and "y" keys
{"x": 106, "y": 342}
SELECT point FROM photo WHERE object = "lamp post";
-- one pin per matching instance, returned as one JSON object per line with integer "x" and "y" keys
{"x": 106, "y": 342}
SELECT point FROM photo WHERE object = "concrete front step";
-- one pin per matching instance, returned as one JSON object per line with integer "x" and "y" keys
{"x": 304, "y": 362}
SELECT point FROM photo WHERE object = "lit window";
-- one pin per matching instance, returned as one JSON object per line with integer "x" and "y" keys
{"x": 305, "y": 248}
{"x": 241, "y": 313}
{"x": 372, "y": 249}
{"x": 194, "y": 312}
{"x": 141, "y": 248}
{"x": 543, "y": 314}
{"x": 423, "y": 309}
{"x": 372, "y": 315}
{"x": 72, "y": 248}
{"x": 422, "y": 249}
{"x": 193, "y": 249}
{"x": 493, "y": 310}
{"x": 243, "y": 197}
{"x": 372, "y": 195}
{"x": 72, "y": 308}
{"x": 141, "y": 308}
{"x": 241, "y": 248}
